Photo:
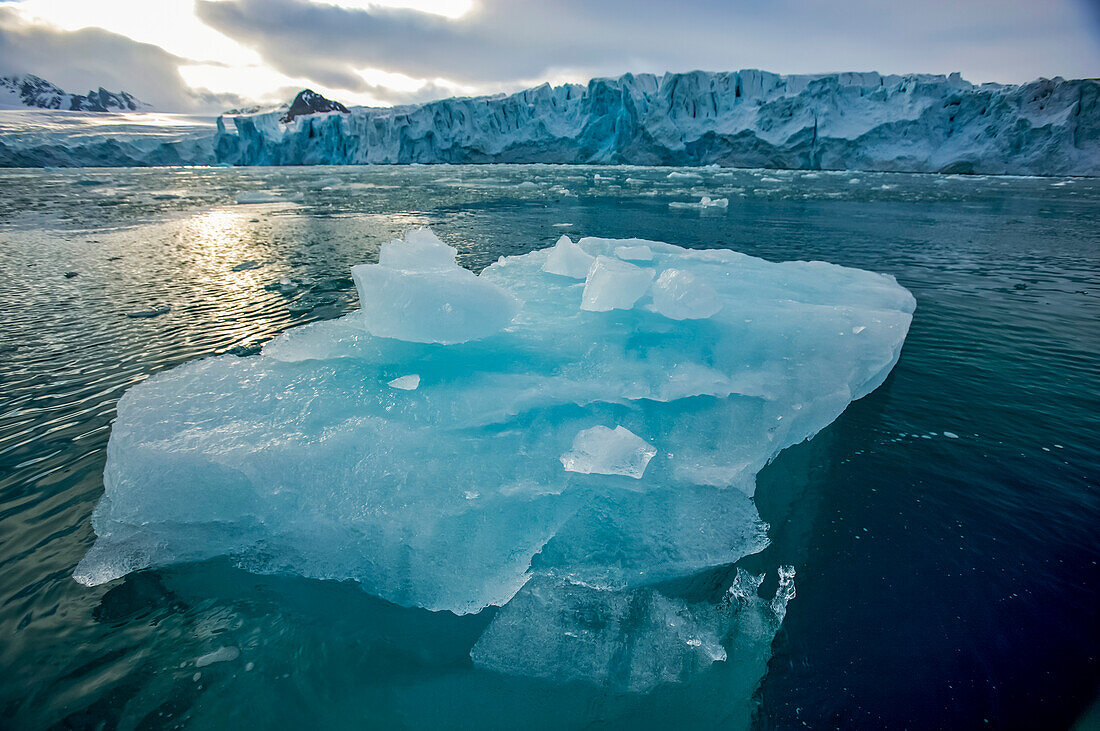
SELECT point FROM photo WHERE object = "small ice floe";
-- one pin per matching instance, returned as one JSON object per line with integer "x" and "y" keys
{"x": 246, "y": 265}
{"x": 562, "y": 225}
{"x": 951, "y": 435}
{"x": 246, "y": 197}
{"x": 405, "y": 383}
{"x": 677, "y": 175}
{"x": 603, "y": 451}
{"x": 704, "y": 203}
{"x": 151, "y": 312}
{"x": 527, "y": 185}
{"x": 284, "y": 285}
{"x": 222, "y": 654}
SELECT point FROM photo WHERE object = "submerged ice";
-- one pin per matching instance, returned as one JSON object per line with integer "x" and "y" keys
{"x": 566, "y": 418}
{"x": 633, "y": 639}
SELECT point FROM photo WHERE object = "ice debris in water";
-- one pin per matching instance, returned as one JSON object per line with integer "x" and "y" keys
{"x": 303, "y": 459}
{"x": 704, "y": 203}
{"x": 603, "y": 451}
{"x": 156, "y": 311}
{"x": 246, "y": 197}
{"x": 222, "y": 654}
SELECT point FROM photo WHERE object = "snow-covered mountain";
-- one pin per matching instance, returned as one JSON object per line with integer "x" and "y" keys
{"x": 30, "y": 91}
{"x": 866, "y": 121}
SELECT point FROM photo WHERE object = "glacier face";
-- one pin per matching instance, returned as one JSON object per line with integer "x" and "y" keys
{"x": 57, "y": 138}
{"x": 445, "y": 467}
{"x": 864, "y": 121}
{"x": 848, "y": 121}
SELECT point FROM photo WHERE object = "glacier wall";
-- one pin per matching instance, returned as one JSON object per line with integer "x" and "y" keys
{"x": 858, "y": 121}
{"x": 63, "y": 138}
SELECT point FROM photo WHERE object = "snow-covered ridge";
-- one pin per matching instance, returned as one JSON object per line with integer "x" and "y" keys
{"x": 30, "y": 91}
{"x": 866, "y": 121}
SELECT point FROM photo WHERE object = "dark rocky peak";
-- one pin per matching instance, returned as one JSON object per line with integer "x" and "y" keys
{"x": 310, "y": 102}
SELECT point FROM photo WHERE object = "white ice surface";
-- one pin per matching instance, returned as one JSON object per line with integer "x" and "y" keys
{"x": 568, "y": 260}
{"x": 603, "y": 451}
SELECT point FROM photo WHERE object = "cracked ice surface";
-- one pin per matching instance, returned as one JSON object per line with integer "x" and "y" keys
{"x": 312, "y": 458}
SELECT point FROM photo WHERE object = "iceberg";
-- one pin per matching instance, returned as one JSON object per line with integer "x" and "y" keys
{"x": 463, "y": 435}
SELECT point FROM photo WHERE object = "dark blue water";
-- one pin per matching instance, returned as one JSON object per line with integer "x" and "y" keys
{"x": 943, "y": 582}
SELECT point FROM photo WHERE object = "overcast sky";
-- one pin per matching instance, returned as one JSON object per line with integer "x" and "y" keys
{"x": 207, "y": 55}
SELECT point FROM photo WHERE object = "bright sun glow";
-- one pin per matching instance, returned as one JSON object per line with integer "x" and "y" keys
{"x": 170, "y": 24}
{"x": 222, "y": 64}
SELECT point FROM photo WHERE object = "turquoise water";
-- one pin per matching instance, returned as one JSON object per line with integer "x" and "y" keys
{"x": 942, "y": 581}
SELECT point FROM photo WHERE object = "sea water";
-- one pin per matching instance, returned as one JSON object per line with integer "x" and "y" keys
{"x": 943, "y": 528}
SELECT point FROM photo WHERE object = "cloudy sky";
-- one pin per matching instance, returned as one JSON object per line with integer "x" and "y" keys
{"x": 207, "y": 55}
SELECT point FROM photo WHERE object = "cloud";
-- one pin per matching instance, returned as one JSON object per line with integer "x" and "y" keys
{"x": 504, "y": 42}
{"x": 358, "y": 51}
{"x": 85, "y": 59}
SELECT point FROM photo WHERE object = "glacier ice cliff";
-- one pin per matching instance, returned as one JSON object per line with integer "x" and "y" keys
{"x": 57, "y": 138}
{"x": 847, "y": 121}
{"x": 864, "y": 121}
{"x": 613, "y": 447}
